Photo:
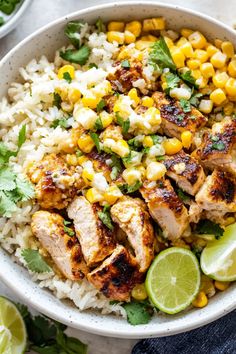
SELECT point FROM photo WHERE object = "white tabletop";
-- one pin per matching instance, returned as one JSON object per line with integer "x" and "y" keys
{"x": 40, "y": 13}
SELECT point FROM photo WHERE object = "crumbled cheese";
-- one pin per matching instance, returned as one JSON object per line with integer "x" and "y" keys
{"x": 180, "y": 92}
{"x": 85, "y": 116}
{"x": 180, "y": 168}
{"x": 99, "y": 182}
{"x": 156, "y": 150}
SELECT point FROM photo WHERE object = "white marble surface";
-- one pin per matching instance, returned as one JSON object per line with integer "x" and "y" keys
{"x": 40, "y": 13}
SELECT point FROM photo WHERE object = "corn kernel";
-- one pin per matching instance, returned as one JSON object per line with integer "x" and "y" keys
{"x": 85, "y": 116}
{"x": 74, "y": 95}
{"x": 67, "y": 107}
{"x": 131, "y": 175}
{"x": 129, "y": 37}
{"x": 202, "y": 82}
{"x": 142, "y": 45}
{"x": 207, "y": 70}
{"x": 185, "y": 32}
{"x": 218, "y": 42}
{"x": 196, "y": 74}
{"x": 197, "y": 40}
{"x": 90, "y": 102}
{"x": 178, "y": 57}
{"x": 66, "y": 69}
{"x": 205, "y": 106}
{"x": 201, "y": 55}
{"x": 222, "y": 286}
{"x": 85, "y": 143}
{"x": 193, "y": 64}
{"x": 187, "y": 50}
{"x": 218, "y": 96}
{"x": 133, "y": 95}
{"x": 220, "y": 79}
{"x": 232, "y": 68}
{"x": 230, "y": 87}
{"x": 121, "y": 148}
{"x": 211, "y": 49}
{"x": 147, "y": 141}
{"x": 134, "y": 27}
{"x": 93, "y": 195}
{"x": 228, "y": 49}
{"x": 149, "y": 38}
{"x": 172, "y": 146}
{"x": 139, "y": 292}
{"x": 71, "y": 160}
{"x": 169, "y": 42}
{"x": 82, "y": 159}
{"x": 115, "y": 36}
{"x": 153, "y": 116}
{"x": 201, "y": 300}
{"x": 218, "y": 60}
{"x": 147, "y": 101}
{"x": 112, "y": 194}
{"x": 106, "y": 119}
{"x": 155, "y": 170}
{"x": 154, "y": 24}
{"x": 186, "y": 138}
{"x": 181, "y": 42}
{"x": 116, "y": 26}
{"x": 87, "y": 175}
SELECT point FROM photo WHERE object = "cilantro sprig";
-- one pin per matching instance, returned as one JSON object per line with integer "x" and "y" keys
{"x": 124, "y": 123}
{"x": 105, "y": 217}
{"x": 206, "y": 226}
{"x": 127, "y": 189}
{"x": 138, "y": 312}
{"x": 35, "y": 262}
{"x": 8, "y": 6}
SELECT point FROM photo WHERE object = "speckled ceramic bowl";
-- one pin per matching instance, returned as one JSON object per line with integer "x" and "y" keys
{"x": 12, "y": 20}
{"x": 46, "y": 41}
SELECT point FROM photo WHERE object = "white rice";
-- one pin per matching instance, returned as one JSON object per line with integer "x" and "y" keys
{"x": 24, "y": 106}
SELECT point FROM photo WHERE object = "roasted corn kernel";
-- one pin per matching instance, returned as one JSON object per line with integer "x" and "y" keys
{"x": 85, "y": 143}
{"x": 134, "y": 27}
{"x": 232, "y": 68}
{"x": 207, "y": 70}
{"x": 172, "y": 146}
{"x": 186, "y": 138}
{"x": 205, "y": 106}
{"x": 133, "y": 95}
{"x": 131, "y": 175}
{"x": 147, "y": 141}
{"x": 93, "y": 195}
{"x": 147, "y": 101}
{"x": 228, "y": 49}
{"x": 115, "y": 36}
{"x": 155, "y": 170}
{"x": 139, "y": 292}
{"x": 220, "y": 79}
{"x": 201, "y": 300}
{"x": 197, "y": 40}
{"x": 222, "y": 286}
{"x": 154, "y": 24}
{"x": 218, "y": 60}
{"x": 112, "y": 194}
{"x": 185, "y": 32}
{"x": 230, "y": 87}
{"x": 117, "y": 26}
{"x": 218, "y": 96}
{"x": 129, "y": 37}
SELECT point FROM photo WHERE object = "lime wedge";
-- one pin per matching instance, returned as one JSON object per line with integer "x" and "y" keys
{"x": 12, "y": 329}
{"x": 218, "y": 259}
{"x": 173, "y": 280}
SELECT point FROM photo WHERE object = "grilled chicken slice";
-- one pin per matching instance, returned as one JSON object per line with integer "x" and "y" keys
{"x": 56, "y": 182}
{"x": 218, "y": 148}
{"x": 117, "y": 275}
{"x": 97, "y": 241}
{"x": 174, "y": 119}
{"x": 65, "y": 250}
{"x": 132, "y": 217}
{"x": 185, "y": 171}
{"x": 218, "y": 195}
{"x": 166, "y": 208}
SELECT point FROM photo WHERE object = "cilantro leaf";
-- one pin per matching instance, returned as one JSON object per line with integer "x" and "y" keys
{"x": 125, "y": 124}
{"x": 194, "y": 100}
{"x": 67, "y": 229}
{"x": 72, "y": 31}
{"x": 21, "y": 136}
{"x": 24, "y": 189}
{"x": 125, "y": 64}
{"x": 1, "y": 21}
{"x": 79, "y": 56}
{"x": 185, "y": 105}
{"x": 7, "y": 179}
{"x": 92, "y": 65}
{"x": 172, "y": 81}
{"x": 160, "y": 55}
{"x": 182, "y": 195}
{"x": 57, "y": 100}
{"x": 95, "y": 138}
{"x": 7, "y": 206}
{"x": 220, "y": 146}
{"x": 116, "y": 167}
{"x": 209, "y": 227}
{"x": 62, "y": 122}
{"x": 105, "y": 217}
{"x": 100, "y": 25}
{"x": 67, "y": 77}
{"x": 126, "y": 189}
{"x": 156, "y": 139}
{"x": 138, "y": 312}
{"x": 101, "y": 105}
{"x": 35, "y": 261}
{"x": 98, "y": 124}
{"x": 188, "y": 78}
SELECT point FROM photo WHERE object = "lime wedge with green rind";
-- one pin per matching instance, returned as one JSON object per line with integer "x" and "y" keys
{"x": 218, "y": 259}
{"x": 13, "y": 335}
{"x": 173, "y": 280}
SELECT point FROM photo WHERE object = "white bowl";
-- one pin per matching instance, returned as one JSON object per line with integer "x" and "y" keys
{"x": 13, "y": 20}
{"x": 46, "y": 41}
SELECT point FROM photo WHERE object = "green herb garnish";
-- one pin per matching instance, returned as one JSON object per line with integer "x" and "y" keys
{"x": 138, "y": 312}
{"x": 105, "y": 217}
{"x": 220, "y": 146}
{"x": 172, "y": 81}
{"x": 194, "y": 100}
{"x": 116, "y": 167}
{"x": 100, "y": 25}
{"x": 95, "y": 138}
{"x": 98, "y": 124}
{"x": 35, "y": 261}
{"x": 125, "y": 64}
{"x": 1, "y": 21}
{"x": 8, "y": 6}
{"x": 79, "y": 56}
{"x": 160, "y": 55}
{"x": 67, "y": 77}
{"x": 67, "y": 229}
{"x": 125, "y": 124}
{"x": 185, "y": 105}
{"x": 72, "y": 31}
{"x": 57, "y": 100}
{"x": 62, "y": 122}
{"x": 209, "y": 227}
{"x": 101, "y": 105}
{"x": 92, "y": 65}
{"x": 126, "y": 189}
{"x": 188, "y": 78}
{"x": 182, "y": 195}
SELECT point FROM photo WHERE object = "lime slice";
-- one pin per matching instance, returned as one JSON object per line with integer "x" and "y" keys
{"x": 173, "y": 280}
{"x": 218, "y": 259}
{"x": 12, "y": 329}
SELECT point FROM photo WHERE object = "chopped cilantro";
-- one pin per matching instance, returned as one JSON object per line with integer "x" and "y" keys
{"x": 125, "y": 124}
{"x": 172, "y": 81}
{"x": 138, "y": 312}
{"x": 1, "y": 21}
{"x": 100, "y": 25}
{"x": 185, "y": 105}
{"x": 67, "y": 77}
{"x": 126, "y": 189}
{"x": 101, "y": 105}
{"x": 218, "y": 146}
{"x": 98, "y": 124}
{"x": 35, "y": 261}
{"x": 105, "y": 217}
{"x": 135, "y": 143}
{"x": 92, "y": 65}
{"x": 72, "y": 31}
{"x": 160, "y": 158}
{"x": 125, "y": 64}
{"x": 215, "y": 138}
{"x": 156, "y": 139}
{"x": 62, "y": 122}
{"x": 116, "y": 167}
{"x": 79, "y": 153}
{"x": 79, "y": 56}
{"x": 188, "y": 78}
{"x": 22, "y": 136}
{"x": 67, "y": 229}
{"x": 209, "y": 227}
{"x": 194, "y": 100}
{"x": 8, "y": 6}
{"x": 180, "y": 117}
{"x": 160, "y": 55}
{"x": 95, "y": 138}
{"x": 57, "y": 100}
{"x": 182, "y": 195}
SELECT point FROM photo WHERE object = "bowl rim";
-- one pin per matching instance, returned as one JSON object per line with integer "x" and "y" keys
{"x": 11, "y": 24}
{"x": 138, "y": 331}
